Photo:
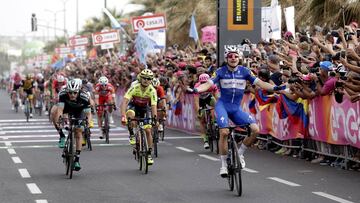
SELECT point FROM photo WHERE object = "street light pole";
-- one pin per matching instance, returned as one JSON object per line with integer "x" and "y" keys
{"x": 55, "y": 19}
{"x": 64, "y": 3}
{"x": 105, "y": 4}
{"x": 77, "y": 16}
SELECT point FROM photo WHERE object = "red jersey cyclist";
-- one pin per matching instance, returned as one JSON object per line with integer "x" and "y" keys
{"x": 104, "y": 94}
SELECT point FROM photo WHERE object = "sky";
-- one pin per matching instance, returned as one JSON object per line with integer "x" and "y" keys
{"x": 15, "y": 15}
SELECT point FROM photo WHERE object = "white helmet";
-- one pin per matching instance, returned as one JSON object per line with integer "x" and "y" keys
{"x": 232, "y": 49}
{"x": 60, "y": 78}
{"x": 40, "y": 76}
{"x": 155, "y": 82}
{"x": 103, "y": 80}
{"x": 73, "y": 85}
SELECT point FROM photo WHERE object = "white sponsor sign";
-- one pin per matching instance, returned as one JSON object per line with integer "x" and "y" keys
{"x": 63, "y": 50}
{"x": 107, "y": 46}
{"x": 78, "y": 41}
{"x": 290, "y": 19}
{"x": 105, "y": 37}
{"x": 159, "y": 36}
{"x": 153, "y": 22}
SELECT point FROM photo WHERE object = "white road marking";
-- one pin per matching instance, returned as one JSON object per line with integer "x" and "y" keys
{"x": 16, "y": 159}
{"x": 52, "y": 135}
{"x": 250, "y": 170}
{"x": 19, "y": 120}
{"x": 11, "y": 151}
{"x": 209, "y": 157}
{"x": 7, "y": 143}
{"x": 47, "y": 127}
{"x": 41, "y": 201}
{"x": 24, "y": 173}
{"x": 95, "y": 138}
{"x": 332, "y": 197}
{"x": 184, "y": 149}
{"x": 53, "y": 130}
{"x": 34, "y": 189}
{"x": 284, "y": 181}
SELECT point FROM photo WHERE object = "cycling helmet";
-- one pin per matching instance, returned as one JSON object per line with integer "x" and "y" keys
{"x": 146, "y": 73}
{"x": 204, "y": 77}
{"x": 40, "y": 76}
{"x": 155, "y": 82}
{"x": 60, "y": 78}
{"x": 29, "y": 76}
{"x": 232, "y": 49}
{"x": 103, "y": 80}
{"x": 73, "y": 85}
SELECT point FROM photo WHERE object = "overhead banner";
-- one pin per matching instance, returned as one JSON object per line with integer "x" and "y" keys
{"x": 237, "y": 20}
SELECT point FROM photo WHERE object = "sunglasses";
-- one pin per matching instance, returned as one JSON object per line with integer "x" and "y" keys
{"x": 146, "y": 78}
{"x": 233, "y": 56}
{"x": 73, "y": 93}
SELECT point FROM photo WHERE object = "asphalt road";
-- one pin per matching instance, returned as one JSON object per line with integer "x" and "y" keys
{"x": 31, "y": 170}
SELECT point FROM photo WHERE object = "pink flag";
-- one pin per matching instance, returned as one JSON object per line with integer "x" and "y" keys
{"x": 209, "y": 34}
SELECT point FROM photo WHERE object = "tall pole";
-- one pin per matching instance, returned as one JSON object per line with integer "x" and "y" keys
{"x": 64, "y": 2}
{"x": 77, "y": 16}
{"x": 54, "y": 25}
{"x": 105, "y": 4}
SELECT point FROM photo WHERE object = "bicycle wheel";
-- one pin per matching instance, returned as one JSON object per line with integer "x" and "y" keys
{"x": 40, "y": 107}
{"x": 65, "y": 156}
{"x": 106, "y": 127}
{"x": 230, "y": 163}
{"x": 155, "y": 140}
{"x": 27, "y": 110}
{"x": 210, "y": 136}
{"x": 71, "y": 154}
{"x": 237, "y": 171}
{"x": 217, "y": 136}
{"x": 140, "y": 151}
{"x": 88, "y": 140}
{"x": 162, "y": 133}
{"x": 16, "y": 105}
{"x": 145, "y": 153}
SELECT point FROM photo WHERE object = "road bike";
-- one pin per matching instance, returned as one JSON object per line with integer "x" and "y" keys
{"x": 233, "y": 160}
{"x": 68, "y": 153}
{"x": 27, "y": 106}
{"x": 212, "y": 130}
{"x": 105, "y": 120}
{"x": 141, "y": 147}
{"x": 39, "y": 104}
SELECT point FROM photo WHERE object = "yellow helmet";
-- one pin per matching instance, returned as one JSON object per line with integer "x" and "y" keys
{"x": 146, "y": 73}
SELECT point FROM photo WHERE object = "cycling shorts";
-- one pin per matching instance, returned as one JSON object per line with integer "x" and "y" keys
{"x": 226, "y": 111}
{"x": 208, "y": 101}
{"x": 102, "y": 100}
{"x": 140, "y": 112}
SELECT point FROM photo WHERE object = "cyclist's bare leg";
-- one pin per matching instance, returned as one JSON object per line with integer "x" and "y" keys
{"x": 223, "y": 145}
{"x": 248, "y": 141}
{"x": 149, "y": 137}
{"x": 78, "y": 137}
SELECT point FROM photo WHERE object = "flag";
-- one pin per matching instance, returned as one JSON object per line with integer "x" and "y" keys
{"x": 59, "y": 64}
{"x": 264, "y": 99}
{"x": 143, "y": 44}
{"x": 54, "y": 58}
{"x": 295, "y": 111}
{"x": 193, "y": 30}
{"x": 114, "y": 23}
{"x": 92, "y": 53}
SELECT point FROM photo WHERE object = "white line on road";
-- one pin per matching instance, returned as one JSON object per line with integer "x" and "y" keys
{"x": 41, "y": 201}
{"x": 19, "y": 120}
{"x": 34, "y": 189}
{"x": 284, "y": 181}
{"x": 51, "y": 131}
{"x": 209, "y": 157}
{"x": 52, "y": 135}
{"x": 332, "y": 197}
{"x": 16, "y": 159}
{"x": 24, "y": 173}
{"x": 11, "y": 151}
{"x": 184, "y": 149}
{"x": 7, "y": 143}
{"x": 250, "y": 170}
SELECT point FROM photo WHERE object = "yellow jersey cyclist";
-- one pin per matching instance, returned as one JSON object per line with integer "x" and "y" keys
{"x": 27, "y": 88}
{"x": 140, "y": 95}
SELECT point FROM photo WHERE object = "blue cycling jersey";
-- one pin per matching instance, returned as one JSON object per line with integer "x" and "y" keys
{"x": 232, "y": 84}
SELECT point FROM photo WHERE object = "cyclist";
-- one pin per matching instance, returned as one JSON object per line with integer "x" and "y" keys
{"x": 104, "y": 94}
{"x": 56, "y": 86}
{"x": 39, "y": 87}
{"x": 161, "y": 102}
{"x": 27, "y": 87}
{"x": 232, "y": 79}
{"x": 202, "y": 100}
{"x": 16, "y": 84}
{"x": 75, "y": 103}
{"x": 140, "y": 95}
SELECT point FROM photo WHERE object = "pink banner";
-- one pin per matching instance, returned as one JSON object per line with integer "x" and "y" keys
{"x": 186, "y": 119}
{"x": 335, "y": 123}
{"x": 208, "y": 34}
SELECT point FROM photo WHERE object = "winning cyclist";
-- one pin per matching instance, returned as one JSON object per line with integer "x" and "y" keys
{"x": 232, "y": 80}
{"x": 75, "y": 103}
{"x": 141, "y": 95}
{"x": 104, "y": 94}
{"x": 202, "y": 100}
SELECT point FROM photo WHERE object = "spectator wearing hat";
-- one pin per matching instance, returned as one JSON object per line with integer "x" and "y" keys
{"x": 326, "y": 80}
